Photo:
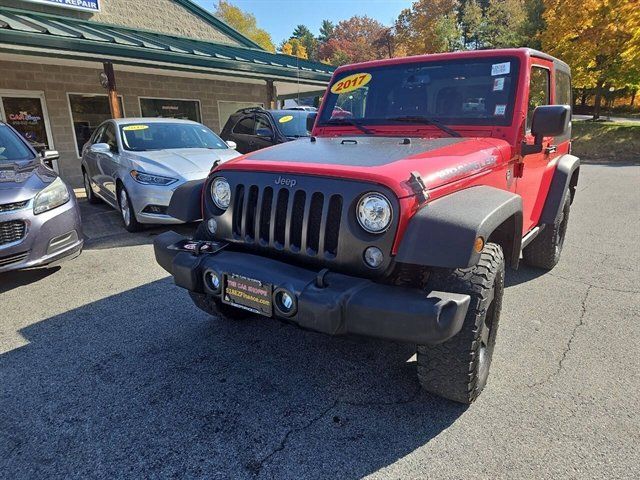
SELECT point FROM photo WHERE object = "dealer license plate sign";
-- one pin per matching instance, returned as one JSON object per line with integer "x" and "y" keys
{"x": 247, "y": 293}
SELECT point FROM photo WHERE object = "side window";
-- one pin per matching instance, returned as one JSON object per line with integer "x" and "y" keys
{"x": 246, "y": 126}
{"x": 262, "y": 123}
{"x": 109, "y": 137}
{"x": 97, "y": 135}
{"x": 538, "y": 91}
{"x": 563, "y": 88}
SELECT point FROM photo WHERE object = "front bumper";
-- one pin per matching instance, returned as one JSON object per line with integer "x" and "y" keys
{"x": 143, "y": 196}
{"x": 341, "y": 305}
{"x": 50, "y": 238}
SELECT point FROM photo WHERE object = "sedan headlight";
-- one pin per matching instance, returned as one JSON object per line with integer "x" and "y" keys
{"x": 374, "y": 212}
{"x": 221, "y": 192}
{"x": 149, "y": 179}
{"x": 52, "y": 196}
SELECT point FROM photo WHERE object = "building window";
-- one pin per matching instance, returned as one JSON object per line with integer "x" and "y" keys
{"x": 88, "y": 111}
{"x": 170, "y": 108}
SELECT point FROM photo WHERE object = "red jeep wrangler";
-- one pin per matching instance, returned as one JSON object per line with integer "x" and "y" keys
{"x": 424, "y": 178}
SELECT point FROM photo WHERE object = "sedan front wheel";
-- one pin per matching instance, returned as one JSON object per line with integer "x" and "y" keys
{"x": 126, "y": 211}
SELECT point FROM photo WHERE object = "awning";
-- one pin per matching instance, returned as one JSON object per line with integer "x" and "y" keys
{"x": 40, "y": 34}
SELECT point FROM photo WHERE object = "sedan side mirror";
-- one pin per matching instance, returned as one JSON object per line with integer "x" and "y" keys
{"x": 311, "y": 120}
{"x": 232, "y": 145}
{"x": 548, "y": 121}
{"x": 100, "y": 148}
{"x": 48, "y": 156}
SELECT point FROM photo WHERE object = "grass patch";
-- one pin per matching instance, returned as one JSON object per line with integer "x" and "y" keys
{"x": 606, "y": 142}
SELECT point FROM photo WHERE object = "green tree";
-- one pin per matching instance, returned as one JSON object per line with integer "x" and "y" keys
{"x": 326, "y": 31}
{"x": 307, "y": 39}
{"x": 534, "y": 23}
{"x": 245, "y": 23}
{"x": 471, "y": 24}
{"x": 428, "y": 26}
{"x": 502, "y": 25}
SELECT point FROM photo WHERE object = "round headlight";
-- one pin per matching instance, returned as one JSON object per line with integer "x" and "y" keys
{"x": 374, "y": 212}
{"x": 221, "y": 192}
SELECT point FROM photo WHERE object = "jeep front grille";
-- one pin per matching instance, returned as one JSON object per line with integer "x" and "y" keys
{"x": 12, "y": 231}
{"x": 293, "y": 220}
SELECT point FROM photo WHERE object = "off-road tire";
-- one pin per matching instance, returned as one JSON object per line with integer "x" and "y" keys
{"x": 544, "y": 250}
{"x": 88, "y": 189}
{"x": 207, "y": 303}
{"x": 458, "y": 368}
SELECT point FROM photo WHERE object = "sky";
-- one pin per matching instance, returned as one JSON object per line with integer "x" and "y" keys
{"x": 280, "y": 17}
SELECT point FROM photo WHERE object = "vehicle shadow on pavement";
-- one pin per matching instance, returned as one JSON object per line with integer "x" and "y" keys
{"x": 103, "y": 228}
{"x": 142, "y": 384}
{"x": 11, "y": 280}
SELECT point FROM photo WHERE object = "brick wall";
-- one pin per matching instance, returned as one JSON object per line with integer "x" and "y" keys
{"x": 56, "y": 81}
{"x": 163, "y": 16}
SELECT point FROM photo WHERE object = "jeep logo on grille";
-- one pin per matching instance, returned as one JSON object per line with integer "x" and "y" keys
{"x": 287, "y": 182}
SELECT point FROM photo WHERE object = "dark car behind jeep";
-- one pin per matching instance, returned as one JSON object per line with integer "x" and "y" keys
{"x": 254, "y": 128}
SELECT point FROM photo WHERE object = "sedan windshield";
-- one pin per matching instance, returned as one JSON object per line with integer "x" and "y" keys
{"x": 140, "y": 137}
{"x": 292, "y": 123}
{"x": 472, "y": 91}
{"x": 12, "y": 148}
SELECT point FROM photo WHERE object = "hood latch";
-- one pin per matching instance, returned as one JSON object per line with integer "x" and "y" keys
{"x": 418, "y": 187}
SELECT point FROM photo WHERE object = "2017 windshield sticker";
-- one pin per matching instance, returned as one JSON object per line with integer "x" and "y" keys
{"x": 286, "y": 118}
{"x": 500, "y": 68}
{"x": 500, "y": 110}
{"x": 130, "y": 128}
{"x": 351, "y": 83}
{"x": 498, "y": 84}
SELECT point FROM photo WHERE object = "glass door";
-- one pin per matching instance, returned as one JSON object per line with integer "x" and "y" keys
{"x": 26, "y": 112}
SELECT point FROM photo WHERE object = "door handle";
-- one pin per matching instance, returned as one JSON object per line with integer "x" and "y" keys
{"x": 551, "y": 149}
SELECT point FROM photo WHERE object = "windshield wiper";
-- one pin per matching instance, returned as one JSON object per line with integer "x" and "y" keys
{"x": 426, "y": 121}
{"x": 348, "y": 121}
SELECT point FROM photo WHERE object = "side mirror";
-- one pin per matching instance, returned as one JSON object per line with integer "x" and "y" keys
{"x": 100, "y": 148}
{"x": 232, "y": 145}
{"x": 548, "y": 121}
{"x": 264, "y": 132}
{"x": 48, "y": 156}
{"x": 311, "y": 120}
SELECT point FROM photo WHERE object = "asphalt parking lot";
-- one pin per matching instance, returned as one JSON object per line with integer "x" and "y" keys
{"x": 107, "y": 370}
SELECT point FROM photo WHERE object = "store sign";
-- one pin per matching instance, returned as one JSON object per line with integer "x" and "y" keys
{"x": 85, "y": 5}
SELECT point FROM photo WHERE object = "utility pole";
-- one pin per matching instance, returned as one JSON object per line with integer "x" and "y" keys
{"x": 108, "y": 80}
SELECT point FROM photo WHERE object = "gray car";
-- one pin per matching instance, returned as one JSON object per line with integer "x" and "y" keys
{"x": 39, "y": 216}
{"x": 135, "y": 164}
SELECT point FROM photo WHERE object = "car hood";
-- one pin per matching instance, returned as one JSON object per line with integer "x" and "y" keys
{"x": 181, "y": 161}
{"x": 385, "y": 160}
{"x": 22, "y": 180}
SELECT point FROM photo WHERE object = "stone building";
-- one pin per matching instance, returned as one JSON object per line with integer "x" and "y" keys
{"x": 170, "y": 57}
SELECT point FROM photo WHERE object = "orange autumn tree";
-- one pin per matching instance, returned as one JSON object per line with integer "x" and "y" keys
{"x": 599, "y": 39}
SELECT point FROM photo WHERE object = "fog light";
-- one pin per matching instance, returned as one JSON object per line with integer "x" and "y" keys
{"x": 373, "y": 257}
{"x": 285, "y": 302}
{"x": 212, "y": 225}
{"x": 212, "y": 279}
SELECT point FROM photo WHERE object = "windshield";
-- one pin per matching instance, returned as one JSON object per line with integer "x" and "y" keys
{"x": 292, "y": 123}
{"x": 12, "y": 148}
{"x": 472, "y": 91}
{"x": 140, "y": 137}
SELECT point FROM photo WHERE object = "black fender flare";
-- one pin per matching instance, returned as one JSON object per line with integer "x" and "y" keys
{"x": 444, "y": 231}
{"x": 186, "y": 201}
{"x": 565, "y": 177}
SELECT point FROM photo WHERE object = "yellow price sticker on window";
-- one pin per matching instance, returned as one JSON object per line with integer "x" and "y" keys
{"x": 129, "y": 128}
{"x": 351, "y": 83}
{"x": 286, "y": 118}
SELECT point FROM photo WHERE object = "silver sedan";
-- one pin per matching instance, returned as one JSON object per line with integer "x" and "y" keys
{"x": 135, "y": 164}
